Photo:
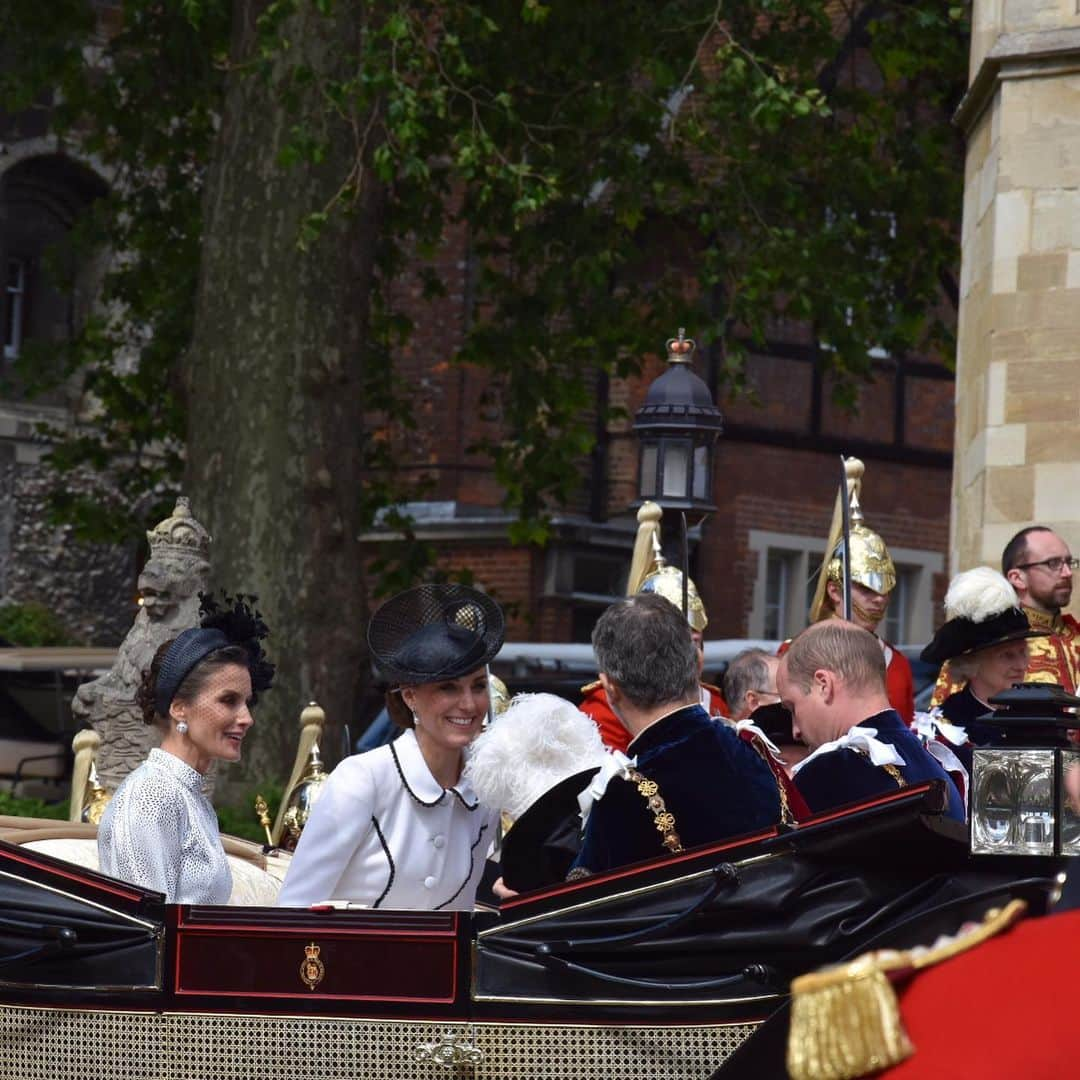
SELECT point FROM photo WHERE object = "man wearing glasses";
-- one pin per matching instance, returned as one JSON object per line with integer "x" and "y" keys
{"x": 1040, "y": 568}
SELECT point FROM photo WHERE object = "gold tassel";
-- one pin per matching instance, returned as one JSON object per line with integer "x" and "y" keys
{"x": 845, "y": 1022}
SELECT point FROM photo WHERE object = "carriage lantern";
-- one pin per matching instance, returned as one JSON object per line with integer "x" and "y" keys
{"x": 1026, "y": 792}
{"x": 677, "y": 428}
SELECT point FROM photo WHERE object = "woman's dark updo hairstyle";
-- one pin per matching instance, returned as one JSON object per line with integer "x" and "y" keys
{"x": 193, "y": 683}
{"x": 399, "y": 712}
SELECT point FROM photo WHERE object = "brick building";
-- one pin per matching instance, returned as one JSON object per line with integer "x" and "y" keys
{"x": 776, "y": 472}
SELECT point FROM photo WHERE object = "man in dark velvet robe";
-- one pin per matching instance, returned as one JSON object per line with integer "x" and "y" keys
{"x": 833, "y": 681}
{"x": 691, "y": 780}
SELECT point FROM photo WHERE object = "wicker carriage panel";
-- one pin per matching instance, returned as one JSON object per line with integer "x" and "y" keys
{"x": 61, "y": 1044}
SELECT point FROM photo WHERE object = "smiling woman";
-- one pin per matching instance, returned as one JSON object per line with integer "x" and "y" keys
{"x": 399, "y": 826}
{"x": 160, "y": 830}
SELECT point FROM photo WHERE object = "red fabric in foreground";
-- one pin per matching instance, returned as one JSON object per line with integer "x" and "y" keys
{"x": 1006, "y": 1010}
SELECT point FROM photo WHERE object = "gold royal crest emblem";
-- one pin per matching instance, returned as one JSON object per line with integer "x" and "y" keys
{"x": 312, "y": 969}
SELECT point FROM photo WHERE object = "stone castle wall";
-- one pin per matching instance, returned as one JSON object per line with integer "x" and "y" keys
{"x": 1018, "y": 371}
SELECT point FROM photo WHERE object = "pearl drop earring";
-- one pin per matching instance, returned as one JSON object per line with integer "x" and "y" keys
{"x": 181, "y": 727}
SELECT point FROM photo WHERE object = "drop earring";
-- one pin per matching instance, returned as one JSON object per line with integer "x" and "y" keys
{"x": 181, "y": 727}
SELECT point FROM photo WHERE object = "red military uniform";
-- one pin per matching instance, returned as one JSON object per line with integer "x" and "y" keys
{"x": 994, "y": 1002}
{"x": 899, "y": 684}
{"x": 1025, "y": 976}
{"x": 594, "y": 703}
{"x": 1054, "y": 658}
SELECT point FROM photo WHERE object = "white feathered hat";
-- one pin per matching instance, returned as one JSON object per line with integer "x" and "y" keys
{"x": 983, "y": 610}
{"x": 538, "y": 741}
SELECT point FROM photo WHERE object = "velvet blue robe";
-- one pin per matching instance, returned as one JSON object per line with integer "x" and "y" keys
{"x": 847, "y": 776}
{"x": 961, "y": 709}
{"x": 715, "y": 784}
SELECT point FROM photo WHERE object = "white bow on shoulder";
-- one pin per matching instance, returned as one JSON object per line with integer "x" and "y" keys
{"x": 862, "y": 740}
{"x": 615, "y": 763}
{"x": 931, "y": 724}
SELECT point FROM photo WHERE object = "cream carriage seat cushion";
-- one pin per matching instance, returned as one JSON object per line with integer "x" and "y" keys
{"x": 256, "y": 877}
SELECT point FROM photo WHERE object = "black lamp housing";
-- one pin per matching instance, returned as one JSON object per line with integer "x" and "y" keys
{"x": 677, "y": 428}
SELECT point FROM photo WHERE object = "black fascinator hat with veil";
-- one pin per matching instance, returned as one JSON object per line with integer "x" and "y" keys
{"x": 233, "y": 621}
{"x": 434, "y": 632}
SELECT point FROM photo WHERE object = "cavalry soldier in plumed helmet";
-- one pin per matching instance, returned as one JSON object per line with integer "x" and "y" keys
{"x": 650, "y": 573}
{"x": 873, "y": 578}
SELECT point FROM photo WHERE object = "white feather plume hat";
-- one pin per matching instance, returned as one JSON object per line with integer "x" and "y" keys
{"x": 983, "y": 610}
{"x": 978, "y": 594}
{"x": 539, "y": 740}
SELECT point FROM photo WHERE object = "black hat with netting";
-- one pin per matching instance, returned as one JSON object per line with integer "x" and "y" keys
{"x": 434, "y": 632}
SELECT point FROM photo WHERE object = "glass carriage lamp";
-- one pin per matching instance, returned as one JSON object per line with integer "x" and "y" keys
{"x": 1026, "y": 792}
{"x": 677, "y": 428}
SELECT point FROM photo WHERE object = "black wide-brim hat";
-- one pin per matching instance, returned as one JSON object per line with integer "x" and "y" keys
{"x": 434, "y": 632}
{"x": 961, "y": 636}
{"x": 543, "y": 843}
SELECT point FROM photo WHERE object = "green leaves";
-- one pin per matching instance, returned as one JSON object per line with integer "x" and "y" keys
{"x": 730, "y": 167}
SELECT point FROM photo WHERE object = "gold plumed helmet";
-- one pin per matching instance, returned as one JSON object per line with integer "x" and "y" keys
{"x": 650, "y": 573}
{"x": 870, "y": 562}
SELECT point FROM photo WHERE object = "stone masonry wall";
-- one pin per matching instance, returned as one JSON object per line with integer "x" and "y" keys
{"x": 91, "y": 588}
{"x": 1018, "y": 369}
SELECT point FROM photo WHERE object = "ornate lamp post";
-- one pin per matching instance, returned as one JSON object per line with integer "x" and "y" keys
{"x": 677, "y": 428}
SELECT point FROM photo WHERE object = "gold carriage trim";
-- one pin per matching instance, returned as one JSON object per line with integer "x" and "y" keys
{"x": 73, "y": 1044}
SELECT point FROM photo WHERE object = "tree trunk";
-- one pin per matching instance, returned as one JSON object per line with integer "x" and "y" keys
{"x": 274, "y": 381}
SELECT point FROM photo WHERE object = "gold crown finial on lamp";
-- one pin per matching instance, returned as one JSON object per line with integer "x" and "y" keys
{"x": 680, "y": 350}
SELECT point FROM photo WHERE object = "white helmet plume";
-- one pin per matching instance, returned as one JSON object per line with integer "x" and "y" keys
{"x": 538, "y": 741}
{"x": 979, "y": 594}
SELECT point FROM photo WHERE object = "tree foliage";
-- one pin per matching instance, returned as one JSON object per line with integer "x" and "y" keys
{"x": 733, "y": 166}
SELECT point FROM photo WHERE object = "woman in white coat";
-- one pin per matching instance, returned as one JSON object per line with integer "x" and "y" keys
{"x": 399, "y": 827}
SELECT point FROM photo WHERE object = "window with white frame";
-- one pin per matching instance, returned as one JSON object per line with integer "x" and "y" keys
{"x": 787, "y": 568}
{"x": 14, "y": 306}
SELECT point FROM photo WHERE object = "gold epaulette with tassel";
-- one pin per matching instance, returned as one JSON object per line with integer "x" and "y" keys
{"x": 845, "y": 1021}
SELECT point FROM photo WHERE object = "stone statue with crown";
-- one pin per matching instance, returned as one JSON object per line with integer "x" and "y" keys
{"x": 176, "y": 572}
